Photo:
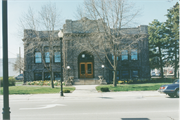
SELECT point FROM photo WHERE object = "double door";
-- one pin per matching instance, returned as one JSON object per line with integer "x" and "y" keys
{"x": 86, "y": 70}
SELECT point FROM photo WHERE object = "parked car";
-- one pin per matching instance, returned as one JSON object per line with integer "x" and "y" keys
{"x": 153, "y": 74}
{"x": 19, "y": 77}
{"x": 158, "y": 74}
{"x": 171, "y": 89}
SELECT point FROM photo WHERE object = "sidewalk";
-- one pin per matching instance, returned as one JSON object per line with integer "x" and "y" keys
{"x": 87, "y": 92}
{"x": 90, "y": 91}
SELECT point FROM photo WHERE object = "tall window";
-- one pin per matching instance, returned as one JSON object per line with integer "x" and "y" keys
{"x": 38, "y": 58}
{"x": 57, "y": 76}
{"x": 38, "y": 76}
{"x": 47, "y": 76}
{"x": 124, "y": 55}
{"x": 134, "y": 55}
{"x": 117, "y": 75}
{"x": 47, "y": 54}
{"x": 113, "y": 57}
{"x": 135, "y": 74}
{"x": 125, "y": 74}
{"x": 57, "y": 55}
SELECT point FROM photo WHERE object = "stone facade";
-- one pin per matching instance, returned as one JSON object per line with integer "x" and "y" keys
{"x": 82, "y": 59}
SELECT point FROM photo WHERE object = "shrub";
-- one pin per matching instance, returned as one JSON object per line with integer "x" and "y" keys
{"x": 56, "y": 83}
{"x": 36, "y": 82}
{"x": 11, "y": 80}
{"x": 120, "y": 82}
{"x": 32, "y": 83}
{"x": 130, "y": 81}
{"x": 104, "y": 89}
{"x": 41, "y": 83}
{"x": 66, "y": 91}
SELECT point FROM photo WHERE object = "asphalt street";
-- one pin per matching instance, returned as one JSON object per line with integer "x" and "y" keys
{"x": 85, "y": 103}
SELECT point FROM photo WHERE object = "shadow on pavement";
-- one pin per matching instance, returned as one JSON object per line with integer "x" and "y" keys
{"x": 172, "y": 97}
{"x": 106, "y": 97}
{"x": 135, "y": 119}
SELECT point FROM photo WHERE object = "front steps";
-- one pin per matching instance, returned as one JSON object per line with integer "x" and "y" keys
{"x": 86, "y": 81}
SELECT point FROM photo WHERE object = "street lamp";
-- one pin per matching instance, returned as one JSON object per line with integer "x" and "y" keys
{"x": 60, "y": 35}
{"x": 68, "y": 68}
{"x": 6, "y": 109}
{"x": 103, "y": 69}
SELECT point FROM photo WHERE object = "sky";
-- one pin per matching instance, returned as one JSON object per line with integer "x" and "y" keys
{"x": 150, "y": 10}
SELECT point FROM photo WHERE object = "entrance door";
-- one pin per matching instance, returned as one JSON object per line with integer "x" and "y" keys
{"x": 86, "y": 70}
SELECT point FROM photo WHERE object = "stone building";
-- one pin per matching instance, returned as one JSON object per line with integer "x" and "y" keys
{"x": 85, "y": 64}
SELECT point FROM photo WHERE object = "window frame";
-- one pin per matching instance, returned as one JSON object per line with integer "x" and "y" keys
{"x": 45, "y": 57}
{"x": 35, "y": 76}
{"x": 55, "y": 77}
{"x": 136, "y": 54}
{"x": 46, "y": 50}
{"x": 54, "y": 56}
{"x": 132, "y": 73}
{"x": 116, "y": 57}
{"x": 35, "y": 57}
{"x": 55, "y": 50}
{"x": 125, "y": 54}
{"x": 45, "y": 76}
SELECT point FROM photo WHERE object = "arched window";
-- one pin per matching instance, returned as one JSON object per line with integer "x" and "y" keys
{"x": 85, "y": 56}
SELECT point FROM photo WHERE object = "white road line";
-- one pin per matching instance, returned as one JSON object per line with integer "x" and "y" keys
{"x": 45, "y": 107}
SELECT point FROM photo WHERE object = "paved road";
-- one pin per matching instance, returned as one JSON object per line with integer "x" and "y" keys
{"x": 85, "y": 103}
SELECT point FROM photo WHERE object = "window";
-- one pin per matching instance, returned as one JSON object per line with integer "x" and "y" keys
{"x": 47, "y": 55}
{"x": 124, "y": 55}
{"x": 117, "y": 75}
{"x": 57, "y": 76}
{"x": 134, "y": 55}
{"x": 85, "y": 56}
{"x": 38, "y": 58}
{"x": 125, "y": 74}
{"x": 113, "y": 57}
{"x": 135, "y": 74}
{"x": 38, "y": 76}
{"x": 47, "y": 76}
{"x": 57, "y": 55}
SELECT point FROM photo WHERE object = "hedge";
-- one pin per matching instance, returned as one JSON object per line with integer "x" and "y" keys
{"x": 104, "y": 89}
{"x": 12, "y": 81}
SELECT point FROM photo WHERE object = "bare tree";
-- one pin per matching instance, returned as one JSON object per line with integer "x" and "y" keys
{"x": 42, "y": 27}
{"x": 18, "y": 65}
{"x": 110, "y": 16}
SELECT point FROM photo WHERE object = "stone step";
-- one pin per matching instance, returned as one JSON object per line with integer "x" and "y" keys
{"x": 86, "y": 82}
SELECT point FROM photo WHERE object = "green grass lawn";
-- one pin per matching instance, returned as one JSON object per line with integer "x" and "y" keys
{"x": 133, "y": 87}
{"x": 34, "y": 89}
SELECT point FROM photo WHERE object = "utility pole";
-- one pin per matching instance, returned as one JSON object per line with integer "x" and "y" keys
{"x": 6, "y": 108}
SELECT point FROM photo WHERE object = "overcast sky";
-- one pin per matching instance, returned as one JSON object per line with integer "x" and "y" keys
{"x": 150, "y": 10}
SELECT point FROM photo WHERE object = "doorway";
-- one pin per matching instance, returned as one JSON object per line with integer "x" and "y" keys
{"x": 86, "y": 65}
{"x": 86, "y": 70}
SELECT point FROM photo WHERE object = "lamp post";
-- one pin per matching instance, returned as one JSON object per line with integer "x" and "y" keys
{"x": 6, "y": 112}
{"x": 103, "y": 69}
{"x": 60, "y": 35}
